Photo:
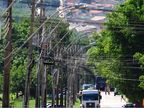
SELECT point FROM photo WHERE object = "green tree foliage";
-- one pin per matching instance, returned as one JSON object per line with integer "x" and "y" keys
{"x": 140, "y": 57}
{"x": 19, "y": 63}
{"x": 118, "y": 54}
{"x": 18, "y": 69}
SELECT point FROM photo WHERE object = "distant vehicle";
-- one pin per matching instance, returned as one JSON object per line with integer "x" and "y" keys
{"x": 100, "y": 83}
{"x": 129, "y": 105}
{"x": 88, "y": 86}
{"x": 90, "y": 99}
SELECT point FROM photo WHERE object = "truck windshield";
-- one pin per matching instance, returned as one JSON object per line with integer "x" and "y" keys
{"x": 90, "y": 97}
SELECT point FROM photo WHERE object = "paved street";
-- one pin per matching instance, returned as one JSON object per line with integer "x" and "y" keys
{"x": 111, "y": 101}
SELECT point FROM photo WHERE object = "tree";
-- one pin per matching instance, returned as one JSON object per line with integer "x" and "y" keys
{"x": 20, "y": 33}
{"x": 117, "y": 46}
{"x": 18, "y": 70}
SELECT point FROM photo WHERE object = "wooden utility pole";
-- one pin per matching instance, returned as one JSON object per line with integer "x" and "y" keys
{"x": 30, "y": 59}
{"x": 7, "y": 61}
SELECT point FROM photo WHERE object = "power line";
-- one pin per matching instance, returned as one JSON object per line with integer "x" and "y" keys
{"x": 104, "y": 23}
{"x": 75, "y": 6}
{"x": 28, "y": 38}
{"x": 10, "y": 6}
{"x": 16, "y": 50}
{"x": 116, "y": 78}
{"x": 133, "y": 26}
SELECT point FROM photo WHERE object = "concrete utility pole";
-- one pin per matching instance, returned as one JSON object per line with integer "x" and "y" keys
{"x": 7, "y": 61}
{"x": 37, "y": 100}
{"x": 30, "y": 59}
{"x": 40, "y": 62}
{"x": 44, "y": 49}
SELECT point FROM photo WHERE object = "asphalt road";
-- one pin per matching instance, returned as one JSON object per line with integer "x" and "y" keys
{"x": 111, "y": 101}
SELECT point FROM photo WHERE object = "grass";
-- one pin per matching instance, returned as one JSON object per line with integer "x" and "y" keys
{"x": 19, "y": 103}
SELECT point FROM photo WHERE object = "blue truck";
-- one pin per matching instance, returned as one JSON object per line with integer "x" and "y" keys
{"x": 100, "y": 83}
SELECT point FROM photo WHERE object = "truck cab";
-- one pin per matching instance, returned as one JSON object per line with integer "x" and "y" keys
{"x": 90, "y": 99}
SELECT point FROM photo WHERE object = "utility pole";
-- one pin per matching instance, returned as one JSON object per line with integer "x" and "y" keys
{"x": 30, "y": 59}
{"x": 7, "y": 61}
{"x": 44, "y": 48}
{"x": 40, "y": 61}
{"x": 37, "y": 100}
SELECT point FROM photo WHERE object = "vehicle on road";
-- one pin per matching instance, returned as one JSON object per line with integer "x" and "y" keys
{"x": 129, "y": 105}
{"x": 100, "y": 83}
{"x": 88, "y": 86}
{"x": 90, "y": 99}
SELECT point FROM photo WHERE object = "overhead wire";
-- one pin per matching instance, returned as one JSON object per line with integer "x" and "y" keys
{"x": 28, "y": 38}
{"x": 45, "y": 4}
{"x": 104, "y": 9}
{"x": 16, "y": 50}
{"x": 61, "y": 39}
{"x": 54, "y": 46}
{"x": 73, "y": 41}
{"x": 46, "y": 39}
{"x": 10, "y": 5}
{"x": 123, "y": 61}
{"x": 119, "y": 78}
{"x": 79, "y": 7}
{"x": 133, "y": 26}
{"x": 124, "y": 79}
{"x": 123, "y": 67}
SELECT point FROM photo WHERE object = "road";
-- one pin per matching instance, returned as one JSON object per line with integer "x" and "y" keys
{"x": 111, "y": 101}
